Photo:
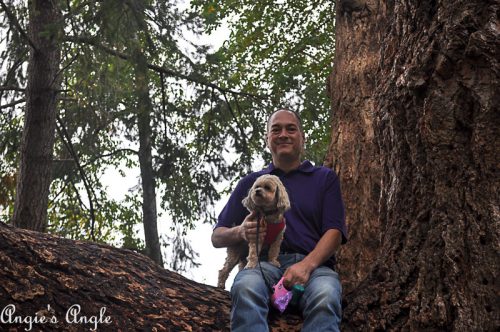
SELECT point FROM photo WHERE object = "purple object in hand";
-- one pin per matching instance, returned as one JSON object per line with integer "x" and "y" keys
{"x": 281, "y": 296}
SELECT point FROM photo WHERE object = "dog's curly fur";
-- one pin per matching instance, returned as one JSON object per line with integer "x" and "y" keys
{"x": 269, "y": 199}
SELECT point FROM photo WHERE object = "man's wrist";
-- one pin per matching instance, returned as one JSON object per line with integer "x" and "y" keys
{"x": 241, "y": 233}
{"x": 310, "y": 264}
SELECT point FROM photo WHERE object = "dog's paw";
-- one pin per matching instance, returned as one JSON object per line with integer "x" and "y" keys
{"x": 251, "y": 265}
{"x": 275, "y": 262}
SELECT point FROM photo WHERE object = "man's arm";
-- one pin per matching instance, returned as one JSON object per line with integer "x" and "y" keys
{"x": 330, "y": 241}
{"x": 325, "y": 248}
{"x": 227, "y": 237}
{"x": 230, "y": 236}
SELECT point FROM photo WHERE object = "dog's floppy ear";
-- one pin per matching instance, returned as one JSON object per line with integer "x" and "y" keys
{"x": 283, "y": 203}
{"x": 248, "y": 202}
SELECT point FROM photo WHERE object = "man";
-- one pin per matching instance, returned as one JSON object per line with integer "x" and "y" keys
{"x": 315, "y": 228}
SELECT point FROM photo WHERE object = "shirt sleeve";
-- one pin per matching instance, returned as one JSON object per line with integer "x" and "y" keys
{"x": 333, "y": 207}
{"x": 234, "y": 212}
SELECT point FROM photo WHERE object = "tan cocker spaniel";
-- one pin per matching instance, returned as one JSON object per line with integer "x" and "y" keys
{"x": 269, "y": 199}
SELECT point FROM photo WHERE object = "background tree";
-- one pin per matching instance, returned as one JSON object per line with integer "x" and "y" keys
{"x": 190, "y": 123}
{"x": 415, "y": 97}
{"x": 30, "y": 209}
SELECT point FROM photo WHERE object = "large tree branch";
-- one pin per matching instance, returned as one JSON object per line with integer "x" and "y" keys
{"x": 40, "y": 269}
{"x": 169, "y": 72}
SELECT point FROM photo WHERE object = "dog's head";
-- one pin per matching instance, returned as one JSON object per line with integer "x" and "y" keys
{"x": 267, "y": 194}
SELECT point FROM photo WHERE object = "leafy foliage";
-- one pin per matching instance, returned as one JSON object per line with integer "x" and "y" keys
{"x": 281, "y": 50}
{"x": 208, "y": 109}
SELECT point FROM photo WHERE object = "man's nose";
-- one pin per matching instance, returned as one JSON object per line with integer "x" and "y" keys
{"x": 283, "y": 133}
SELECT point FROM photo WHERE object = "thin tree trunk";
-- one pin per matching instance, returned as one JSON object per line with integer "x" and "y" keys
{"x": 32, "y": 192}
{"x": 144, "y": 109}
{"x": 434, "y": 113}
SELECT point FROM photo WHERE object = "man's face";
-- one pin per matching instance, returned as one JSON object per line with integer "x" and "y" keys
{"x": 284, "y": 137}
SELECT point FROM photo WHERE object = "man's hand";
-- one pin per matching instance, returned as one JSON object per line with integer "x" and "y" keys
{"x": 248, "y": 228}
{"x": 297, "y": 274}
{"x": 300, "y": 272}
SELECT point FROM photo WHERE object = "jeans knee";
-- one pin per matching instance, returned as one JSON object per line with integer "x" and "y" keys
{"x": 248, "y": 284}
{"x": 323, "y": 294}
{"x": 326, "y": 299}
{"x": 249, "y": 297}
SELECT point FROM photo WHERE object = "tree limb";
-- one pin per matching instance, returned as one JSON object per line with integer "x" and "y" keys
{"x": 41, "y": 269}
{"x": 14, "y": 103}
{"x": 169, "y": 72}
{"x": 61, "y": 129}
{"x": 109, "y": 155}
{"x": 11, "y": 88}
{"x": 242, "y": 132}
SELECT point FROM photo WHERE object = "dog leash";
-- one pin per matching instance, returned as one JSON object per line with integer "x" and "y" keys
{"x": 280, "y": 296}
{"x": 268, "y": 285}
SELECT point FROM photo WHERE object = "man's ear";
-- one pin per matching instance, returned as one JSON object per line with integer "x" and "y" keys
{"x": 267, "y": 141}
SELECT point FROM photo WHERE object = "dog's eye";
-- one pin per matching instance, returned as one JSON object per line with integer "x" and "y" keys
{"x": 267, "y": 187}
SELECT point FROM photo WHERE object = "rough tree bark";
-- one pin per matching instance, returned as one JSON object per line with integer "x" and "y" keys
{"x": 423, "y": 79}
{"x": 353, "y": 150}
{"x": 32, "y": 191}
{"x": 39, "y": 269}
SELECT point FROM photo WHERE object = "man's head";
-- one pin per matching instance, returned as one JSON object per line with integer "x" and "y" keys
{"x": 295, "y": 114}
{"x": 285, "y": 137}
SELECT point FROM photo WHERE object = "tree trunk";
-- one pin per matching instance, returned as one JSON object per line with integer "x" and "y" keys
{"x": 434, "y": 96}
{"x": 32, "y": 192}
{"x": 41, "y": 270}
{"x": 353, "y": 150}
{"x": 144, "y": 109}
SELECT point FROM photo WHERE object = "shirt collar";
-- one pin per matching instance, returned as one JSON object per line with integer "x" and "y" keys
{"x": 305, "y": 167}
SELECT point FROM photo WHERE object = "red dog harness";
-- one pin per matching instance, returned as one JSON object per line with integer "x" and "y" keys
{"x": 273, "y": 230}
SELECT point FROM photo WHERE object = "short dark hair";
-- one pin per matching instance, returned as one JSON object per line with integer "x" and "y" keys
{"x": 297, "y": 116}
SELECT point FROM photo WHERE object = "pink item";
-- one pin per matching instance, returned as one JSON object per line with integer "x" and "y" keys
{"x": 281, "y": 296}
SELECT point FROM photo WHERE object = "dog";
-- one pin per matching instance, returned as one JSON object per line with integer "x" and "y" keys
{"x": 269, "y": 199}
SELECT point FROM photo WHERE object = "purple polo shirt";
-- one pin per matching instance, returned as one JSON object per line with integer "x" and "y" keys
{"x": 316, "y": 206}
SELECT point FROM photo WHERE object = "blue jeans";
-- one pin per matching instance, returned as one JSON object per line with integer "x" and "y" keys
{"x": 320, "y": 304}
